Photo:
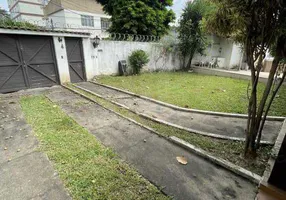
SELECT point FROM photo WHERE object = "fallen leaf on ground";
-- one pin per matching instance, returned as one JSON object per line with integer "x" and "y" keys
{"x": 182, "y": 160}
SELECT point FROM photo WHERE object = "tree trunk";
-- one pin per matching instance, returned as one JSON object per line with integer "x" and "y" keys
{"x": 184, "y": 62}
{"x": 268, "y": 108}
{"x": 190, "y": 61}
{"x": 251, "y": 129}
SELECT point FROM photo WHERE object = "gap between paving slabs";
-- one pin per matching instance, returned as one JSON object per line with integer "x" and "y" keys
{"x": 229, "y": 166}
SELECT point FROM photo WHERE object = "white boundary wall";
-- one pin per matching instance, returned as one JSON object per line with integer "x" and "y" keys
{"x": 106, "y": 56}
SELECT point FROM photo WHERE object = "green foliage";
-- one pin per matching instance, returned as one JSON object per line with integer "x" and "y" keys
{"x": 195, "y": 91}
{"x": 11, "y": 23}
{"x": 142, "y": 17}
{"x": 191, "y": 35}
{"x": 137, "y": 60}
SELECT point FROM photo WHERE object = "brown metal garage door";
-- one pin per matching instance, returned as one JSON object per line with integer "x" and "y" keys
{"x": 75, "y": 59}
{"x": 26, "y": 62}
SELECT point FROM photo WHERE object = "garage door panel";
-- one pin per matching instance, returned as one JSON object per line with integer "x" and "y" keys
{"x": 73, "y": 48}
{"x": 76, "y": 72}
{"x": 5, "y": 71}
{"x": 9, "y": 82}
{"x": 37, "y": 50}
{"x": 75, "y": 59}
{"x": 8, "y": 57}
{"x": 34, "y": 55}
{"x": 42, "y": 75}
{"x": 8, "y": 51}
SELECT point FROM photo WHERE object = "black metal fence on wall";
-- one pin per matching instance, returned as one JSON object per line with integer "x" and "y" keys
{"x": 49, "y": 25}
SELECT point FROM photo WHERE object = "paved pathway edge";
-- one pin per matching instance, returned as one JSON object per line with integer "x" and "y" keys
{"x": 221, "y": 162}
{"x": 223, "y": 137}
{"x": 270, "y": 118}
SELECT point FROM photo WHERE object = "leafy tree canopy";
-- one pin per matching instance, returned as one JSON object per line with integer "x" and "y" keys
{"x": 192, "y": 36}
{"x": 144, "y": 17}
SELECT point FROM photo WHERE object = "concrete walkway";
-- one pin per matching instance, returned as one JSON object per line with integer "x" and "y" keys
{"x": 213, "y": 125}
{"x": 25, "y": 173}
{"x": 153, "y": 156}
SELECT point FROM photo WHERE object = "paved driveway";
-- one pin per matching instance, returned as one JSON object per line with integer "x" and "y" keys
{"x": 153, "y": 156}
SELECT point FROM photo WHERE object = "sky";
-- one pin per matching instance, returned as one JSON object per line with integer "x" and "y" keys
{"x": 3, "y": 4}
{"x": 177, "y": 7}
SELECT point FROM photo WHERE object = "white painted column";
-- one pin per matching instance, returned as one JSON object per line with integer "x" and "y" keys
{"x": 62, "y": 59}
{"x": 88, "y": 58}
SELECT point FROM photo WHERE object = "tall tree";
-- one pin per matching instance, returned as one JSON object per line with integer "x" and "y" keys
{"x": 192, "y": 38}
{"x": 259, "y": 25}
{"x": 143, "y": 17}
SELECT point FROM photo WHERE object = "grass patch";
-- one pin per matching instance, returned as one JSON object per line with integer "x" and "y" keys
{"x": 228, "y": 150}
{"x": 88, "y": 169}
{"x": 195, "y": 91}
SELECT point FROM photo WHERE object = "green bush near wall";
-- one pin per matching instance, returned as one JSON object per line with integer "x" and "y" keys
{"x": 137, "y": 60}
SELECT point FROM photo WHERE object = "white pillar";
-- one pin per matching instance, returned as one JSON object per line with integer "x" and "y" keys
{"x": 62, "y": 59}
{"x": 88, "y": 58}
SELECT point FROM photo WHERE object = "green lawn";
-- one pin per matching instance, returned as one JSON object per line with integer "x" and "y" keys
{"x": 228, "y": 150}
{"x": 195, "y": 91}
{"x": 88, "y": 169}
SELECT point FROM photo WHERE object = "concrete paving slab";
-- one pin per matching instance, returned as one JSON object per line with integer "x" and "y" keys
{"x": 25, "y": 173}
{"x": 15, "y": 134}
{"x": 219, "y": 125}
{"x": 155, "y": 158}
{"x": 30, "y": 177}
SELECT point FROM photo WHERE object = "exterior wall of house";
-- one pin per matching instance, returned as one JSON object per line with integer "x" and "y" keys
{"x": 89, "y": 60}
{"x": 236, "y": 56}
{"x": 89, "y": 6}
{"x": 62, "y": 61}
{"x": 57, "y": 20}
{"x": 28, "y": 10}
{"x": 226, "y": 51}
{"x": 52, "y": 7}
{"x": 71, "y": 20}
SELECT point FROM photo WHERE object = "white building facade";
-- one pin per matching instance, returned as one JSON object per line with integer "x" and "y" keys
{"x": 85, "y": 15}
{"x": 26, "y": 10}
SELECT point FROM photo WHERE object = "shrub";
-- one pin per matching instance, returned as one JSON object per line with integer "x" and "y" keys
{"x": 11, "y": 23}
{"x": 137, "y": 60}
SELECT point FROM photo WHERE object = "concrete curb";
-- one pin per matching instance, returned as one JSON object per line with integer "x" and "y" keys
{"x": 226, "y": 164}
{"x": 207, "y": 134}
{"x": 132, "y": 120}
{"x": 200, "y": 152}
{"x": 270, "y": 118}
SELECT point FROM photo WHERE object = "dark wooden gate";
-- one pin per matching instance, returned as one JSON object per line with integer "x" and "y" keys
{"x": 75, "y": 59}
{"x": 26, "y": 62}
